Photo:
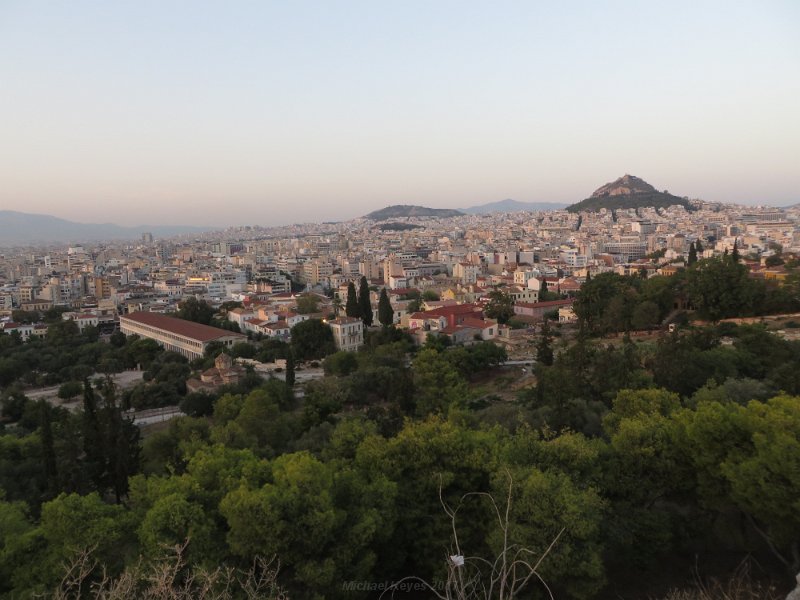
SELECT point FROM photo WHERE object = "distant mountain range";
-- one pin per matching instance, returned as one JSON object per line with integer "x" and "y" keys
{"x": 511, "y": 206}
{"x": 22, "y": 229}
{"x": 627, "y": 192}
{"x": 407, "y": 210}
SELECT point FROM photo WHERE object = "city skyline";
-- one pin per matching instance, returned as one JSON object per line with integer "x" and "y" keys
{"x": 271, "y": 114}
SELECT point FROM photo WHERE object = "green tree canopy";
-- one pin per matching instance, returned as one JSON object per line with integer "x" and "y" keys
{"x": 312, "y": 340}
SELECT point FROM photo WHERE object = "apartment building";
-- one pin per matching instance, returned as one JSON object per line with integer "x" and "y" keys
{"x": 348, "y": 333}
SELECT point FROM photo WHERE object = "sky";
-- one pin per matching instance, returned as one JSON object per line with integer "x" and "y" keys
{"x": 274, "y": 112}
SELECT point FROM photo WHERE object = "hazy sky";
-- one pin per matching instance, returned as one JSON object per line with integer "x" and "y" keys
{"x": 269, "y": 112}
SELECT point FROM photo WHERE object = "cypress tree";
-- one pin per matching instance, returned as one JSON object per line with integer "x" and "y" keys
{"x": 364, "y": 304}
{"x": 544, "y": 349}
{"x": 699, "y": 247}
{"x": 290, "y": 368}
{"x": 385, "y": 310}
{"x": 48, "y": 449}
{"x": 692, "y": 255}
{"x": 543, "y": 290}
{"x": 735, "y": 254}
{"x": 122, "y": 445}
{"x": 352, "y": 308}
{"x": 92, "y": 437}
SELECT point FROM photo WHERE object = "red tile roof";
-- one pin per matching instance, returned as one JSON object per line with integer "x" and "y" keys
{"x": 344, "y": 321}
{"x": 548, "y": 304}
{"x": 189, "y": 329}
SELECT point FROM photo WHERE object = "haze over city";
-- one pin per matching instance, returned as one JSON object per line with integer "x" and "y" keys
{"x": 271, "y": 113}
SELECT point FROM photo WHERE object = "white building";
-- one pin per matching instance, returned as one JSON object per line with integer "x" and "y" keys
{"x": 348, "y": 333}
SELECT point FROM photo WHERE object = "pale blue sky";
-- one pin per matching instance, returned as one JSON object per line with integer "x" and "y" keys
{"x": 273, "y": 112}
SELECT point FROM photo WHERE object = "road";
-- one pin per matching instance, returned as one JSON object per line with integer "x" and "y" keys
{"x": 124, "y": 380}
{"x": 156, "y": 415}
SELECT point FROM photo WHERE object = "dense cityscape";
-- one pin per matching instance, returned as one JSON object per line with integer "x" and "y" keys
{"x": 126, "y": 365}
{"x": 400, "y": 300}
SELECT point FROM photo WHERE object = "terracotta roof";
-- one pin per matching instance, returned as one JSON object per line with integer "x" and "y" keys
{"x": 481, "y": 324}
{"x": 549, "y": 303}
{"x": 344, "y": 321}
{"x": 189, "y": 329}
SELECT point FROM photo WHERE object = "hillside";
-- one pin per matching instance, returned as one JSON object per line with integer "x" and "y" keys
{"x": 407, "y": 210}
{"x": 18, "y": 228}
{"x": 510, "y": 205}
{"x": 627, "y": 192}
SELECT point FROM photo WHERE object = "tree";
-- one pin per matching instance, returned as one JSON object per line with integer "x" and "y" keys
{"x": 122, "y": 443}
{"x": 735, "y": 253}
{"x": 544, "y": 293}
{"x": 430, "y": 296}
{"x": 290, "y": 368}
{"x": 243, "y": 350}
{"x": 645, "y": 315}
{"x": 692, "y": 255}
{"x": 48, "y": 448}
{"x": 720, "y": 288}
{"x": 437, "y": 383}
{"x": 352, "y": 308}
{"x": 773, "y": 261}
{"x": 93, "y": 442}
{"x": 544, "y": 347}
{"x": 307, "y": 304}
{"x": 385, "y": 311}
{"x": 552, "y": 514}
{"x": 69, "y": 390}
{"x": 748, "y": 457}
{"x": 364, "y": 303}
{"x": 312, "y": 340}
{"x": 71, "y": 523}
{"x": 500, "y": 306}
{"x": 698, "y": 245}
{"x": 324, "y": 522}
{"x": 340, "y": 363}
{"x": 195, "y": 310}
{"x": 337, "y": 305}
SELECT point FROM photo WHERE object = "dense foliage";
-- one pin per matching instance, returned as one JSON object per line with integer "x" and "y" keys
{"x": 716, "y": 288}
{"x": 625, "y": 454}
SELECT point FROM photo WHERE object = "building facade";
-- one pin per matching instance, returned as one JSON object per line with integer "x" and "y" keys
{"x": 185, "y": 337}
{"x": 348, "y": 333}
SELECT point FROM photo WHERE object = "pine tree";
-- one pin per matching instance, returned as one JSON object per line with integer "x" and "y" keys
{"x": 544, "y": 348}
{"x": 352, "y": 308}
{"x": 692, "y": 255}
{"x": 290, "y": 368}
{"x": 364, "y": 303}
{"x": 385, "y": 310}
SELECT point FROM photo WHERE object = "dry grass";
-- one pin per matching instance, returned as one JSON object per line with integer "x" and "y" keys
{"x": 169, "y": 578}
{"x": 739, "y": 586}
